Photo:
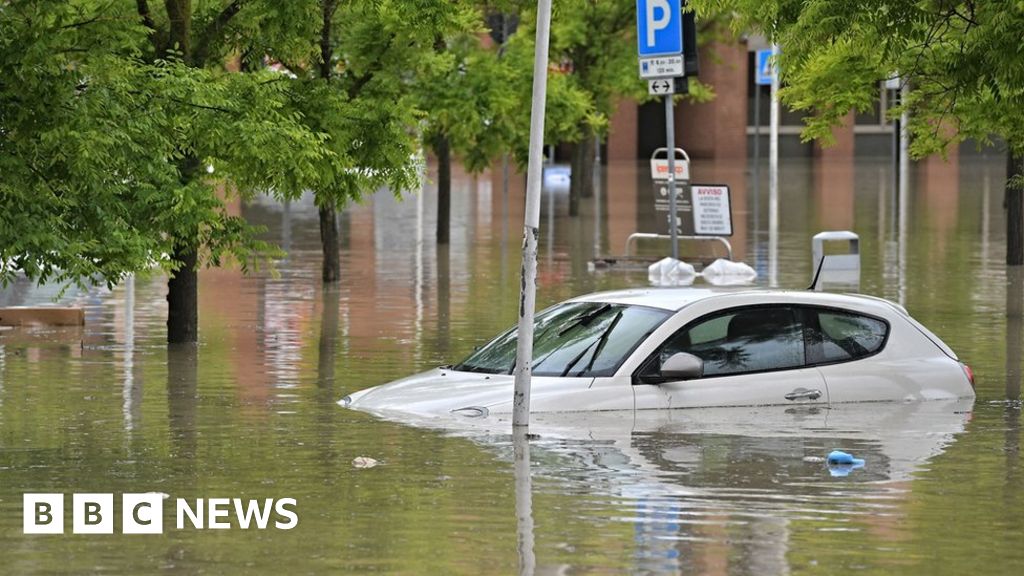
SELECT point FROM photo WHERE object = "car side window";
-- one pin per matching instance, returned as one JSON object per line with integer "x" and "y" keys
{"x": 738, "y": 341}
{"x": 840, "y": 336}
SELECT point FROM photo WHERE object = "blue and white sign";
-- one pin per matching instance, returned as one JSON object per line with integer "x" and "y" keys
{"x": 662, "y": 67}
{"x": 659, "y": 27}
{"x": 765, "y": 69}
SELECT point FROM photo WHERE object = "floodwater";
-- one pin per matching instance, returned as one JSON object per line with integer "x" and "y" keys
{"x": 251, "y": 411}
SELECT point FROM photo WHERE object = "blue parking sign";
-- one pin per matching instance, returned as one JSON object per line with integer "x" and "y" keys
{"x": 659, "y": 27}
{"x": 765, "y": 69}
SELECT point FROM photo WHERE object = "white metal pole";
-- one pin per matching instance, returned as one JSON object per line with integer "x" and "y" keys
{"x": 670, "y": 143}
{"x": 757, "y": 159}
{"x": 773, "y": 176}
{"x": 904, "y": 193}
{"x": 528, "y": 287}
{"x": 904, "y": 147}
{"x": 129, "y": 406}
{"x": 524, "y": 501}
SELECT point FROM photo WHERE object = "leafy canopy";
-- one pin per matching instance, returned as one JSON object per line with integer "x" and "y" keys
{"x": 963, "y": 60}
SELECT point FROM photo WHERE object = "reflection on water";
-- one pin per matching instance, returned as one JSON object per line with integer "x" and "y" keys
{"x": 250, "y": 411}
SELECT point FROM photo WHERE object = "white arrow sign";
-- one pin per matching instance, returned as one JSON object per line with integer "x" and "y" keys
{"x": 661, "y": 86}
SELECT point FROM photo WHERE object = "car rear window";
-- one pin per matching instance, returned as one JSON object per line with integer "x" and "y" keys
{"x": 842, "y": 336}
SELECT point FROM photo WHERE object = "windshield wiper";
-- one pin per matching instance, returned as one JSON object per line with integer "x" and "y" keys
{"x": 585, "y": 318}
{"x": 600, "y": 342}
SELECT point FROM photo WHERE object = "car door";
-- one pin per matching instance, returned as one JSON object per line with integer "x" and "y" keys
{"x": 752, "y": 356}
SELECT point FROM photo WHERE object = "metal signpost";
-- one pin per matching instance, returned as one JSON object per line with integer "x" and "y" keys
{"x": 773, "y": 177}
{"x": 659, "y": 33}
{"x": 528, "y": 293}
{"x": 762, "y": 77}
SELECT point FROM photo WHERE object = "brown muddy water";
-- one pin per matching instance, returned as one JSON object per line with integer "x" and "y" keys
{"x": 251, "y": 412}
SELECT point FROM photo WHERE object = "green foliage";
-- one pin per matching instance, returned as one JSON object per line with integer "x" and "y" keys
{"x": 111, "y": 112}
{"x": 369, "y": 105}
{"x": 593, "y": 55}
{"x": 593, "y": 63}
{"x": 567, "y": 107}
{"x": 962, "y": 60}
{"x": 103, "y": 149}
{"x": 74, "y": 152}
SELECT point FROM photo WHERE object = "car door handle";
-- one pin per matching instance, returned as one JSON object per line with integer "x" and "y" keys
{"x": 801, "y": 393}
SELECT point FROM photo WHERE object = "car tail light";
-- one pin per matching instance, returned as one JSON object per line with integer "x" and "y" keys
{"x": 969, "y": 373}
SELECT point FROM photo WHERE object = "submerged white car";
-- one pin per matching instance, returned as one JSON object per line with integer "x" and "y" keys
{"x": 663, "y": 348}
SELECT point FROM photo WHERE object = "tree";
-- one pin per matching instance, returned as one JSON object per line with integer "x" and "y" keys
{"x": 250, "y": 136}
{"x": 593, "y": 54}
{"x": 594, "y": 40}
{"x": 569, "y": 106}
{"x": 960, "y": 58}
{"x": 119, "y": 144}
{"x": 76, "y": 155}
{"x": 470, "y": 109}
{"x": 370, "y": 57}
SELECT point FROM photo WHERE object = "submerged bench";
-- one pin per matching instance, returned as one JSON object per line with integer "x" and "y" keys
{"x": 42, "y": 316}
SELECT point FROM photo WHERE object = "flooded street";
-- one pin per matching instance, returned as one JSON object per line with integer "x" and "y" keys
{"x": 252, "y": 411}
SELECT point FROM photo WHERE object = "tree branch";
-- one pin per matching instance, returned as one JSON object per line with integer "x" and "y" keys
{"x": 326, "y": 50}
{"x": 147, "y": 20}
{"x": 201, "y": 106}
{"x": 82, "y": 23}
{"x": 361, "y": 81}
{"x": 213, "y": 29}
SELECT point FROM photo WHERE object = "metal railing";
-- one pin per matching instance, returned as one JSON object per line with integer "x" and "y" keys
{"x": 649, "y": 236}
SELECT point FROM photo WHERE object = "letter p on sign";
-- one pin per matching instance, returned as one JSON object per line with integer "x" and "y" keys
{"x": 659, "y": 27}
{"x": 656, "y": 21}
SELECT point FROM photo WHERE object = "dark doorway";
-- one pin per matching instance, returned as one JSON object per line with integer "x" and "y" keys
{"x": 650, "y": 128}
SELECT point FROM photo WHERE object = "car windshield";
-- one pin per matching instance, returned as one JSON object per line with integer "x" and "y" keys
{"x": 572, "y": 339}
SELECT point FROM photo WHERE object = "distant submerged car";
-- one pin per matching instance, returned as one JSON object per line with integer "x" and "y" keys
{"x": 664, "y": 348}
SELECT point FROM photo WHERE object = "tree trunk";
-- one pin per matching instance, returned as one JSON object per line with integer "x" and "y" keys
{"x": 179, "y": 19}
{"x": 442, "y": 149}
{"x": 328, "y": 344}
{"x": 182, "y": 404}
{"x": 183, "y": 296}
{"x": 330, "y": 270}
{"x": 587, "y": 163}
{"x": 1014, "y": 212}
{"x": 183, "y": 286}
{"x": 444, "y": 301}
{"x": 1014, "y": 330}
{"x": 581, "y": 183}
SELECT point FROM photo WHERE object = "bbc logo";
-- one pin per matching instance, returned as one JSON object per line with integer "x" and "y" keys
{"x": 144, "y": 513}
{"x": 93, "y": 513}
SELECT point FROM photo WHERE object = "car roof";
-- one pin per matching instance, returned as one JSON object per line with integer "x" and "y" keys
{"x": 677, "y": 298}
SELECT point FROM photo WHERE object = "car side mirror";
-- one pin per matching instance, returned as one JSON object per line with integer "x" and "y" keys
{"x": 682, "y": 366}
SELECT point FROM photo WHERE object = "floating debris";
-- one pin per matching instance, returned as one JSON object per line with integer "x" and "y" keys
{"x": 364, "y": 462}
{"x": 841, "y": 463}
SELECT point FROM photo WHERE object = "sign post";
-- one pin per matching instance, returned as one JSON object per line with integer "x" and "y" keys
{"x": 773, "y": 178}
{"x": 762, "y": 77}
{"x": 659, "y": 35}
{"x": 531, "y": 224}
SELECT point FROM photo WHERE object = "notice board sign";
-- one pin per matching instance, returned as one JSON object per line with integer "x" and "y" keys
{"x": 712, "y": 212}
{"x": 701, "y": 209}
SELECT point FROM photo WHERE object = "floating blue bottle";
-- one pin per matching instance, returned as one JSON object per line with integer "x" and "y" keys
{"x": 841, "y": 463}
